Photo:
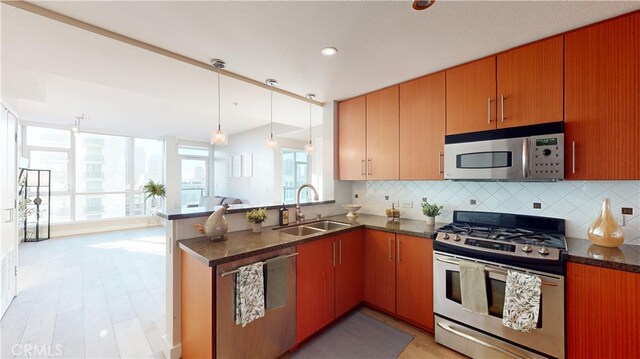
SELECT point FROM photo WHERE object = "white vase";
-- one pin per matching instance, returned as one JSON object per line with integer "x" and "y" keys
{"x": 431, "y": 221}
{"x": 256, "y": 227}
{"x": 216, "y": 225}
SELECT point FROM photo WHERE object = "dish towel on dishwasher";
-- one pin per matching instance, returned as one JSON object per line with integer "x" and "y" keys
{"x": 249, "y": 296}
{"x": 521, "y": 301}
{"x": 473, "y": 287}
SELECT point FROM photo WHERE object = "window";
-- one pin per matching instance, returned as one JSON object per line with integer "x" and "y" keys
{"x": 94, "y": 176}
{"x": 295, "y": 172}
{"x": 194, "y": 176}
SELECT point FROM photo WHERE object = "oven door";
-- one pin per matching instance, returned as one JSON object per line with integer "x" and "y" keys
{"x": 485, "y": 160}
{"x": 548, "y": 338}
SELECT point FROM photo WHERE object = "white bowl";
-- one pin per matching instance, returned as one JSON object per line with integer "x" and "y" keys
{"x": 352, "y": 208}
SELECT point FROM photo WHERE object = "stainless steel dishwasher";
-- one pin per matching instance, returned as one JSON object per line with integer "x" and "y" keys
{"x": 266, "y": 337}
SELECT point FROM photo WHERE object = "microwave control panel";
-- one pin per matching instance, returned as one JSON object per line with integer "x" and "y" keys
{"x": 547, "y": 156}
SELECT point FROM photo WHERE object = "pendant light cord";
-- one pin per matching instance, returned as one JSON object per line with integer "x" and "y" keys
{"x": 310, "y": 121}
{"x": 218, "y": 99}
{"x": 272, "y": 111}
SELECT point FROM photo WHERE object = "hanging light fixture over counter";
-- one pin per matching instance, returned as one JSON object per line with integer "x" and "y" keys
{"x": 218, "y": 137}
{"x": 271, "y": 142}
{"x": 76, "y": 126}
{"x": 308, "y": 148}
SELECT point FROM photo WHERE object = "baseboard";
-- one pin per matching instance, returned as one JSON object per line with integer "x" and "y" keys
{"x": 171, "y": 351}
{"x": 87, "y": 227}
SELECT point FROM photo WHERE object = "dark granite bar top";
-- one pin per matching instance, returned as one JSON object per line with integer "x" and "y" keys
{"x": 626, "y": 257}
{"x": 244, "y": 244}
{"x": 193, "y": 212}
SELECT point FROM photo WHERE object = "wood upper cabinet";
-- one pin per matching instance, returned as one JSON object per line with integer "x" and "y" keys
{"x": 602, "y": 101}
{"x": 471, "y": 97}
{"x": 383, "y": 148}
{"x": 422, "y": 128}
{"x": 352, "y": 145}
{"x": 603, "y": 315}
{"x": 314, "y": 287}
{"x": 414, "y": 280}
{"x": 349, "y": 284}
{"x": 530, "y": 84}
{"x": 380, "y": 273}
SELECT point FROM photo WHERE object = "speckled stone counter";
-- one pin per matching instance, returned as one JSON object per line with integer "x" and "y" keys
{"x": 244, "y": 244}
{"x": 626, "y": 257}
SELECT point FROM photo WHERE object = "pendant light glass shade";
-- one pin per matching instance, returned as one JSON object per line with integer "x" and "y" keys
{"x": 271, "y": 142}
{"x": 218, "y": 137}
{"x": 308, "y": 148}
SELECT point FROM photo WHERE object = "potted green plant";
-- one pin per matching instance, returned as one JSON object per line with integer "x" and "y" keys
{"x": 256, "y": 217}
{"x": 431, "y": 211}
{"x": 154, "y": 190}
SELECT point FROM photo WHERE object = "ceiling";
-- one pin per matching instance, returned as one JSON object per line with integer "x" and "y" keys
{"x": 51, "y": 72}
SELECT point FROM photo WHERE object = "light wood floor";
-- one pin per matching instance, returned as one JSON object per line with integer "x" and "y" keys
{"x": 96, "y": 296}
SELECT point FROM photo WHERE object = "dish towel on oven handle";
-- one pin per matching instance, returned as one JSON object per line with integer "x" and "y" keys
{"x": 473, "y": 287}
{"x": 249, "y": 298}
{"x": 521, "y": 301}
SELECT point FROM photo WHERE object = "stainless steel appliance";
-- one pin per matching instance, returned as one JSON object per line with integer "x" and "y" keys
{"x": 528, "y": 153}
{"x": 501, "y": 242}
{"x": 266, "y": 337}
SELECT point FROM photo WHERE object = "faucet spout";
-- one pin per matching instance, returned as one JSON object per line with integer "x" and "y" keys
{"x": 299, "y": 214}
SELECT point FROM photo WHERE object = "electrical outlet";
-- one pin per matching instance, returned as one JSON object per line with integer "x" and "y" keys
{"x": 357, "y": 195}
{"x": 472, "y": 202}
{"x": 407, "y": 204}
{"x": 386, "y": 198}
{"x": 627, "y": 210}
{"x": 537, "y": 205}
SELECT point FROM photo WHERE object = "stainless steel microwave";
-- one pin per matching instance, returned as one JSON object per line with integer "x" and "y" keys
{"x": 529, "y": 153}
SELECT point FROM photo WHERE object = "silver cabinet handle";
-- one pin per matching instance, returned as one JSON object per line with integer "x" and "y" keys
{"x": 398, "y": 249}
{"x": 334, "y": 253}
{"x": 340, "y": 246}
{"x": 525, "y": 157}
{"x": 502, "y": 108}
{"x": 362, "y": 167}
{"x": 478, "y": 341}
{"x": 440, "y": 155}
{"x": 573, "y": 156}
{"x": 489, "y": 110}
{"x": 389, "y": 239}
{"x": 369, "y": 166}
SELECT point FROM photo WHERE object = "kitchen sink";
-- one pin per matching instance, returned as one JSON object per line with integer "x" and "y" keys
{"x": 327, "y": 225}
{"x": 300, "y": 231}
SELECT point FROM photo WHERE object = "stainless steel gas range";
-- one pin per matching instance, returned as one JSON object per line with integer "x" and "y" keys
{"x": 501, "y": 242}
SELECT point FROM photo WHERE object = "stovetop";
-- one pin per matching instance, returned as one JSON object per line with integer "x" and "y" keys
{"x": 512, "y": 235}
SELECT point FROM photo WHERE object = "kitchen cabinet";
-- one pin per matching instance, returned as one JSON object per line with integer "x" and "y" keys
{"x": 349, "y": 272}
{"x": 602, "y": 312}
{"x": 530, "y": 84}
{"x": 352, "y": 145}
{"x": 471, "y": 97}
{"x": 414, "y": 280}
{"x": 197, "y": 308}
{"x": 383, "y": 149}
{"x": 380, "y": 270}
{"x": 422, "y": 128}
{"x": 602, "y": 101}
{"x": 314, "y": 287}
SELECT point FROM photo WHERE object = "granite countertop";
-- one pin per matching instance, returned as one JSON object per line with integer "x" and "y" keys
{"x": 194, "y": 212}
{"x": 626, "y": 257}
{"x": 244, "y": 244}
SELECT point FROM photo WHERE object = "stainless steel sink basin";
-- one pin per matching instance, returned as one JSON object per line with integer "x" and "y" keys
{"x": 300, "y": 231}
{"x": 327, "y": 225}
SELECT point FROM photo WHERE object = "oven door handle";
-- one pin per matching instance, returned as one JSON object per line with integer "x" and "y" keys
{"x": 491, "y": 270}
{"x": 478, "y": 341}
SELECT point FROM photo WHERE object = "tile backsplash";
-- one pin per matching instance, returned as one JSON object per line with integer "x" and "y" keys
{"x": 578, "y": 202}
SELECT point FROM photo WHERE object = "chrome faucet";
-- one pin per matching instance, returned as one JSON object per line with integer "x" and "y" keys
{"x": 299, "y": 214}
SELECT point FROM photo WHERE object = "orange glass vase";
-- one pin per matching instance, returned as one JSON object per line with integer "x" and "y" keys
{"x": 605, "y": 231}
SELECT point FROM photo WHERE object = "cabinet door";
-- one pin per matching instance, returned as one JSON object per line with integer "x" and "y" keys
{"x": 380, "y": 270}
{"x": 352, "y": 154}
{"x": 602, "y": 99}
{"x": 414, "y": 280}
{"x": 349, "y": 271}
{"x": 314, "y": 287}
{"x": 422, "y": 122}
{"x": 383, "y": 149}
{"x": 602, "y": 312}
{"x": 530, "y": 84}
{"x": 471, "y": 97}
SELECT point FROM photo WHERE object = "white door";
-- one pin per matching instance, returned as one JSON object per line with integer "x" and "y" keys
{"x": 8, "y": 229}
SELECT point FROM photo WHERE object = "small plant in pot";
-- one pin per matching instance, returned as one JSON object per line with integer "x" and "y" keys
{"x": 256, "y": 217}
{"x": 431, "y": 211}
{"x": 154, "y": 190}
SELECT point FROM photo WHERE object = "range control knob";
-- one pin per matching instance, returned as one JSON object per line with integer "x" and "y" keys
{"x": 446, "y": 236}
{"x": 543, "y": 250}
{"x": 546, "y": 152}
{"x": 456, "y": 238}
{"x": 526, "y": 248}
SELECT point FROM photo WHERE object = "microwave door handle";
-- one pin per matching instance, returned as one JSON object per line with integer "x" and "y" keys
{"x": 525, "y": 158}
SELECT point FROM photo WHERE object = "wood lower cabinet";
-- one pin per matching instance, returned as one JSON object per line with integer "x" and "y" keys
{"x": 603, "y": 315}
{"x": 414, "y": 280}
{"x": 383, "y": 147}
{"x": 530, "y": 87}
{"x": 422, "y": 128}
{"x": 471, "y": 97}
{"x": 314, "y": 287}
{"x": 349, "y": 274}
{"x": 352, "y": 139}
{"x": 197, "y": 317}
{"x": 602, "y": 101}
{"x": 380, "y": 270}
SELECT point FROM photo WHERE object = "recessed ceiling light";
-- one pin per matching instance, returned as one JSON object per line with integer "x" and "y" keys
{"x": 329, "y": 51}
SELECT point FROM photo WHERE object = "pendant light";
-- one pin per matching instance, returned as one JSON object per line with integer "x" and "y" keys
{"x": 308, "y": 148}
{"x": 76, "y": 126}
{"x": 271, "y": 142}
{"x": 218, "y": 137}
